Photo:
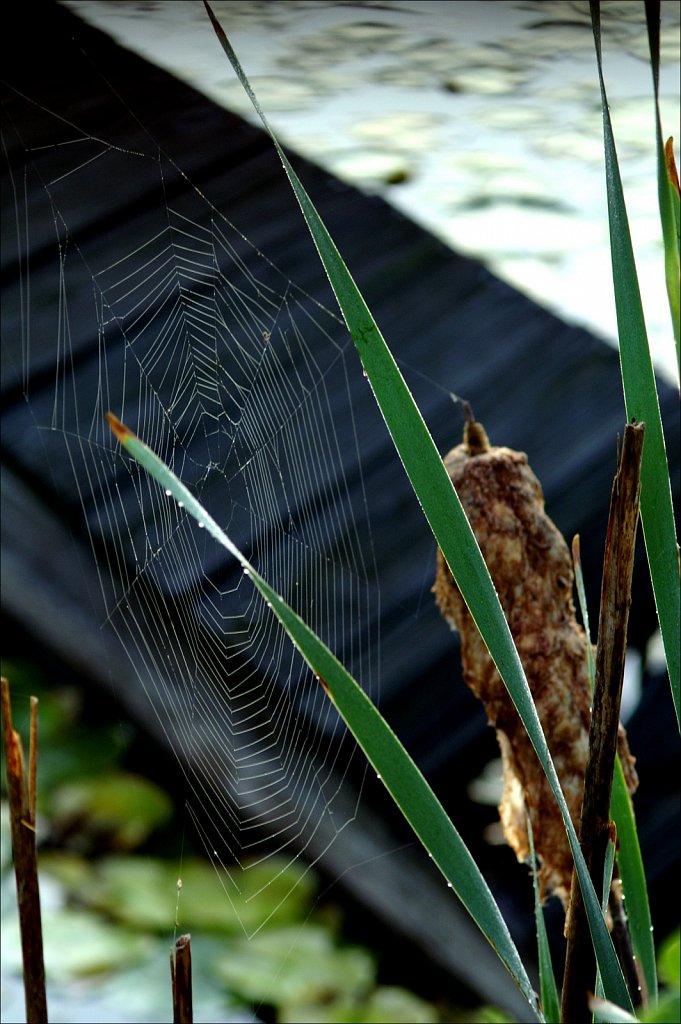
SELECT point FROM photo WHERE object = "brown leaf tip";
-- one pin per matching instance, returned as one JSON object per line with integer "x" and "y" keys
{"x": 120, "y": 430}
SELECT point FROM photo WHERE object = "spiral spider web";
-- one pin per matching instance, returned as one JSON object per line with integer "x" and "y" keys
{"x": 240, "y": 381}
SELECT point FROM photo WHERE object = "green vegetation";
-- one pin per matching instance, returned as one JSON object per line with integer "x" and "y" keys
{"x": 111, "y": 903}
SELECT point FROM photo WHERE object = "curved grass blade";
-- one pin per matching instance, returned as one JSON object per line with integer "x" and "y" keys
{"x": 629, "y": 860}
{"x": 608, "y": 866}
{"x": 583, "y": 607}
{"x": 640, "y": 395}
{"x": 404, "y": 781}
{"x": 633, "y": 877}
{"x": 550, "y": 1003}
{"x": 446, "y": 518}
{"x": 667, "y": 185}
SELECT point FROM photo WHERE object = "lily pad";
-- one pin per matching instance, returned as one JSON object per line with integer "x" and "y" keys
{"x": 77, "y": 943}
{"x": 144, "y": 893}
{"x": 295, "y": 965}
{"x": 118, "y": 810}
{"x": 385, "y": 1005}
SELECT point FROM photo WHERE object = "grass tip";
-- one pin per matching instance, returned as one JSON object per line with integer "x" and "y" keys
{"x": 120, "y": 430}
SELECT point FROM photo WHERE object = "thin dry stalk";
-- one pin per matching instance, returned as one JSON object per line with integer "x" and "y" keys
{"x": 181, "y": 980}
{"x": 580, "y": 965}
{"x": 22, "y": 796}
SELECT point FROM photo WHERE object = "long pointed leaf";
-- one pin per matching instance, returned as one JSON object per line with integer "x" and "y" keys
{"x": 550, "y": 1002}
{"x": 640, "y": 395}
{"x": 667, "y": 185}
{"x": 400, "y": 775}
{"x": 607, "y": 883}
{"x": 446, "y": 517}
{"x": 633, "y": 877}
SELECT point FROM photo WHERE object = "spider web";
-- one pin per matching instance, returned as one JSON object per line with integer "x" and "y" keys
{"x": 240, "y": 381}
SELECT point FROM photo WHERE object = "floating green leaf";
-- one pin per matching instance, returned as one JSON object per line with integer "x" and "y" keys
{"x": 116, "y": 808}
{"x": 385, "y": 1005}
{"x": 142, "y": 892}
{"x": 295, "y": 965}
{"x": 78, "y": 944}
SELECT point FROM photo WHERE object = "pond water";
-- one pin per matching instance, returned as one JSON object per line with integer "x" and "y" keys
{"x": 480, "y": 120}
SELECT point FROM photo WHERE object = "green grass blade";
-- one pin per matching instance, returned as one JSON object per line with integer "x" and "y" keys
{"x": 550, "y": 1003}
{"x": 608, "y": 865}
{"x": 633, "y": 877}
{"x": 583, "y": 607}
{"x": 446, "y": 517}
{"x": 629, "y": 858}
{"x": 400, "y": 775}
{"x": 640, "y": 395}
{"x": 667, "y": 185}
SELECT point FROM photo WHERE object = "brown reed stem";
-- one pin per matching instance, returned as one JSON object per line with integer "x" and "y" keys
{"x": 181, "y": 980}
{"x": 22, "y": 797}
{"x": 580, "y": 965}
